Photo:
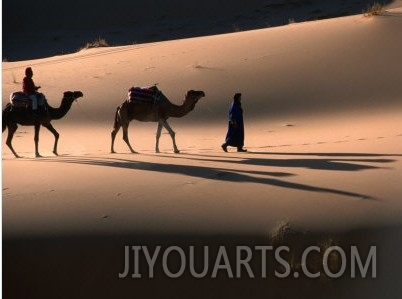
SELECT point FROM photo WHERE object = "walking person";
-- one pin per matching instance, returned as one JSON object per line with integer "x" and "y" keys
{"x": 235, "y": 133}
{"x": 30, "y": 89}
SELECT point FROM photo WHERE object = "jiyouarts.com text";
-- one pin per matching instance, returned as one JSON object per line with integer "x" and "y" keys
{"x": 247, "y": 261}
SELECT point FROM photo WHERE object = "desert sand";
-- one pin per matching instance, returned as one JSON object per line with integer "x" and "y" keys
{"x": 51, "y": 28}
{"x": 322, "y": 108}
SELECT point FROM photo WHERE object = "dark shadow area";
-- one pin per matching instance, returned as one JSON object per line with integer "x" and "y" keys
{"x": 50, "y": 28}
{"x": 329, "y": 154}
{"x": 319, "y": 164}
{"x": 340, "y": 164}
{"x": 232, "y": 175}
{"x": 88, "y": 266}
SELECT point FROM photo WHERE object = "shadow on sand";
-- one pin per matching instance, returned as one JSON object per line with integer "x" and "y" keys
{"x": 88, "y": 265}
{"x": 229, "y": 173}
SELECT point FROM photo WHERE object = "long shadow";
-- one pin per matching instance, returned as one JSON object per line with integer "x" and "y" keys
{"x": 320, "y": 164}
{"x": 328, "y": 154}
{"x": 335, "y": 164}
{"x": 210, "y": 173}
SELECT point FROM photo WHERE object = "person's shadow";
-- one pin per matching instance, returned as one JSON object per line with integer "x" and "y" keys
{"x": 223, "y": 169}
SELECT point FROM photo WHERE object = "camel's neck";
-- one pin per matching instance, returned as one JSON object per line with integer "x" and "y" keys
{"x": 57, "y": 113}
{"x": 182, "y": 110}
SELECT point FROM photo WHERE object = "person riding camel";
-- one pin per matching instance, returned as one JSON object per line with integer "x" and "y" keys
{"x": 30, "y": 89}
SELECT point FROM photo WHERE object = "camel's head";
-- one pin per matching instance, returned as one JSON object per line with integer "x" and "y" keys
{"x": 73, "y": 95}
{"x": 194, "y": 95}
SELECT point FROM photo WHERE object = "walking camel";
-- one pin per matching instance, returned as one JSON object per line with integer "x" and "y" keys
{"x": 12, "y": 116}
{"x": 153, "y": 111}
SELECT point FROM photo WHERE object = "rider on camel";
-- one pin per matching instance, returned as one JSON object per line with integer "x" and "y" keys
{"x": 30, "y": 89}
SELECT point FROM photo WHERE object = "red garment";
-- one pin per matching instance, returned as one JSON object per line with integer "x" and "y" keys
{"x": 28, "y": 86}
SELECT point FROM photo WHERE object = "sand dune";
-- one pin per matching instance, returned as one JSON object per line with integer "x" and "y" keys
{"x": 324, "y": 133}
{"x": 51, "y": 28}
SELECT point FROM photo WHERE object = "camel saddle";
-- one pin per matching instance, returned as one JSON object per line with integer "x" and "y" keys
{"x": 20, "y": 100}
{"x": 149, "y": 94}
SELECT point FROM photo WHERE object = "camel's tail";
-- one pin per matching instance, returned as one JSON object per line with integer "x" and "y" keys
{"x": 116, "y": 118}
{"x": 5, "y": 116}
{"x": 4, "y": 123}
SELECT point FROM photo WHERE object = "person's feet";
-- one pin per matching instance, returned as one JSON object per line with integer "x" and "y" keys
{"x": 242, "y": 150}
{"x": 224, "y": 147}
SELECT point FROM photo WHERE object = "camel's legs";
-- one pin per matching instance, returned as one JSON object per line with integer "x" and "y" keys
{"x": 158, "y": 135}
{"x": 11, "y": 130}
{"x": 114, "y": 133}
{"x": 171, "y": 132}
{"x": 56, "y": 136}
{"x": 36, "y": 139}
{"x": 120, "y": 121}
{"x": 125, "y": 137}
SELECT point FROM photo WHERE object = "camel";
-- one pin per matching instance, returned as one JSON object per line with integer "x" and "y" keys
{"x": 158, "y": 111}
{"x": 12, "y": 116}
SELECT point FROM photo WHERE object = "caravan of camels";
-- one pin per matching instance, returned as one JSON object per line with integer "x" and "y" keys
{"x": 153, "y": 107}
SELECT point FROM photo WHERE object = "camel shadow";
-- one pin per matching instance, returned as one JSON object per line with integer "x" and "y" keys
{"x": 324, "y": 154}
{"x": 318, "y": 164}
{"x": 334, "y": 161}
{"x": 338, "y": 163}
{"x": 227, "y": 174}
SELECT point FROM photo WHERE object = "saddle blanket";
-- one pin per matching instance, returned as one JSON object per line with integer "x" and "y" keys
{"x": 21, "y": 100}
{"x": 144, "y": 94}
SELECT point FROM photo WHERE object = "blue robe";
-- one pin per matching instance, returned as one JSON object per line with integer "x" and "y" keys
{"x": 235, "y": 134}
